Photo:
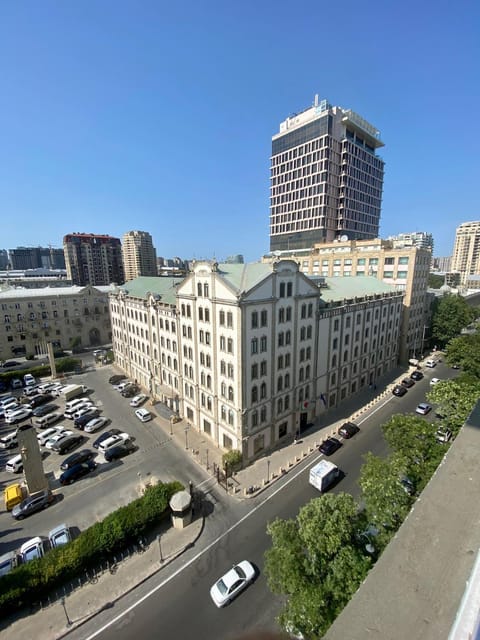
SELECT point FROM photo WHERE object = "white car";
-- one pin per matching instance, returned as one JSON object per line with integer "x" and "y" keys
{"x": 431, "y": 364}
{"x": 136, "y": 401}
{"x": 56, "y": 437}
{"x": 95, "y": 424}
{"x": 18, "y": 416}
{"x": 435, "y": 381}
{"x": 234, "y": 581}
{"x": 48, "y": 433}
{"x": 423, "y": 408}
{"x": 112, "y": 441}
{"x": 29, "y": 380}
{"x": 32, "y": 549}
{"x": 11, "y": 407}
{"x": 122, "y": 385}
{"x": 83, "y": 410}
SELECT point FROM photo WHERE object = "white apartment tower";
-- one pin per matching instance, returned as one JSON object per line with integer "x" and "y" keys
{"x": 139, "y": 256}
{"x": 466, "y": 252}
{"x": 326, "y": 179}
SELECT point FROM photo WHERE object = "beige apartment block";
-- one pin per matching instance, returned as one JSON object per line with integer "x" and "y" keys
{"x": 405, "y": 268}
{"x": 30, "y": 318}
{"x": 250, "y": 354}
{"x": 139, "y": 255}
{"x": 466, "y": 251}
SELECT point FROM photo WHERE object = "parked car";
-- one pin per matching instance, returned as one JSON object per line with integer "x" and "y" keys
{"x": 55, "y": 437}
{"x": 16, "y": 383}
{"x": 86, "y": 417}
{"x": 136, "y": 401}
{"x": 143, "y": 415}
{"x": 443, "y": 435}
{"x": 11, "y": 363}
{"x": 329, "y": 446}
{"x": 431, "y": 364}
{"x": 32, "y": 391}
{"x": 45, "y": 421}
{"x": 59, "y": 536}
{"x": 32, "y": 549}
{"x": 119, "y": 438}
{"x": 435, "y": 381}
{"x": 44, "y": 435}
{"x": 423, "y": 408}
{"x": 39, "y": 399}
{"x": 116, "y": 378}
{"x": 9, "y": 440}
{"x": 18, "y": 415}
{"x": 232, "y": 583}
{"x": 129, "y": 392}
{"x": 104, "y": 436}
{"x": 77, "y": 471}
{"x": 95, "y": 424}
{"x": 44, "y": 409}
{"x": 89, "y": 409}
{"x": 348, "y": 430}
{"x": 416, "y": 375}
{"x": 77, "y": 458}
{"x": 32, "y": 504}
{"x": 122, "y": 385}
{"x": 408, "y": 382}
{"x": 8, "y": 562}
{"x": 399, "y": 390}
{"x": 64, "y": 445}
{"x": 119, "y": 451}
{"x": 29, "y": 380}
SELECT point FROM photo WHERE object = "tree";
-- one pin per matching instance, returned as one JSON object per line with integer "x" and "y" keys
{"x": 465, "y": 352}
{"x": 435, "y": 281}
{"x": 451, "y": 314}
{"x": 317, "y": 561}
{"x": 455, "y": 399}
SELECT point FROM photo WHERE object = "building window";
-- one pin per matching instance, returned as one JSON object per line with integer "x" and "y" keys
{"x": 263, "y": 318}
{"x": 254, "y": 394}
{"x": 254, "y": 320}
{"x": 263, "y": 391}
{"x": 222, "y": 318}
{"x": 254, "y": 373}
{"x": 199, "y": 289}
{"x": 263, "y": 368}
{"x": 281, "y": 315}
{"x": 263, "y": 344}
{"x": 254, "y": 346}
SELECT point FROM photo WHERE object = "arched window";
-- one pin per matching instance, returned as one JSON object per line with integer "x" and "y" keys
{"x": 230, "y": 394}
{"x": 255, "y": 394}
{"x": 279, "y": 406}
{"x": 263, "y": 390}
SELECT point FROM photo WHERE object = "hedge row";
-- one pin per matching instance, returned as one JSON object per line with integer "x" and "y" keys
{"x": 34, "y": 580}
{"x": 62, "y": 365}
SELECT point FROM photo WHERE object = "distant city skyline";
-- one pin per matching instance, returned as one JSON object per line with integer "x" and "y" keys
{"x": 138, "y": 117}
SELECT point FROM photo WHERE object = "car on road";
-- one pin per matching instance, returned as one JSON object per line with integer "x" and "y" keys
{"x": 119, "y": 438}
{"x": 232, "y": 583}
{"x": 348, "y": 430}
{"x": 32, "y": 504}
{"x": 399, "y": 390}
{"x": 104, "y": 436}
{"x": 431, "y": 363}
{"x": 136, "y": 401}
{"x": 416, "y": 375}
{"x": 18, "y": 415}
{"x": 32, "y": 549}
{"x": 86, "y": 417}
{"x": 144, "y": 415}
{"x": 11, "y": 363}
{"x": 116, "y": 378}
{"x": 77, "y": 471}
{"x": 59, "y": 536}
{"x": 119, "y": 451}
{"x": 77, "y": 458}
{"x": 423, "y": 408}
{"x": 408, "y": 382}
{"x": 64, "y": 445}
{"x": 95, "y": 424}
{"x": 329, "y": 446}
{"x": 435, "y": 381}
{"x": 55, "y": 437}
{"x": 38, "y": 412}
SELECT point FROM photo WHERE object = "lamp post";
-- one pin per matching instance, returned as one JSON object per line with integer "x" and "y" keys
{"x": 171, "y": 425}
{"x": 186, "y": 436}
{"x": 207, "y": 459}
{"x": 69, "y": 622}
{"x": 268, "y": 470}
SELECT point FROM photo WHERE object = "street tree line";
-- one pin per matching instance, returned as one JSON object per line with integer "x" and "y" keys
{"x": 319, "y": 559}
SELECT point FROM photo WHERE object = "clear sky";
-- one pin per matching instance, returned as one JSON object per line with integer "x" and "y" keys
{"x": 118, "y": 115}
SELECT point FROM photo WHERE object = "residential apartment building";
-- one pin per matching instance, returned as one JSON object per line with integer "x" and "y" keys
{"x": 36, "y": 258}
{"x": 34, "y": 278}
{"x": 139, "y": 255}
{"x": 326, "y": 179}
{"x": 415, "y": 239}
{"x": 93, "y": 259}
{"x": 249, "y": 354}
{"x": 405, "y": 268}
{"x": 466, "y": 251}
{"x": 32, "y": 317}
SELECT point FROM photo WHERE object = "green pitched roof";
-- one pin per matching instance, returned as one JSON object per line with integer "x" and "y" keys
{"x": 156, "y": 285}
{"x": 341, "y": 288}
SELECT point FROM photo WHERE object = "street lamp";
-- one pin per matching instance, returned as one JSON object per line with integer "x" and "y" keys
{"x": 69, "y": 622}
{"x": 207, "y": 459}
{"x": 171, "y": 425}
{"x": 268, "y": 470}
{"x": 186, "y": 437}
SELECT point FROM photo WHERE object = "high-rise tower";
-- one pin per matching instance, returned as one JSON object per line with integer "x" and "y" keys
{"x": 326, "y": 179}
{"x": 93, "y": 259}
{"x": 466, "y": 252}
{"x": 139, "y": 256}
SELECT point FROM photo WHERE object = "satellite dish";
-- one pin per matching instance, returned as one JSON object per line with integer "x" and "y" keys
{"x": 343, "y": 238}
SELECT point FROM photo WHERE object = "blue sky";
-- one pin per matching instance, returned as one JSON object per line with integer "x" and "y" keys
{"x": 118, "y": 115}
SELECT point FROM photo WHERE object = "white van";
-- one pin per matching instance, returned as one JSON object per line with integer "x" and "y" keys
{"x": 9, "y": 441}
{"x": 47, "y": 420}
{"x": 15, "y": 464}
{"x": 431, "y": 363}
{"x": 143, "y": 415}
{"x": 74, "y": 405}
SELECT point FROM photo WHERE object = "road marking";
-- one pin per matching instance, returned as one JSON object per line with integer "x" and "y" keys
{"x": 199, "y": 554}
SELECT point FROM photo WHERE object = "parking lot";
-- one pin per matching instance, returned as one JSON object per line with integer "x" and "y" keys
{"x": 111, "y": 484}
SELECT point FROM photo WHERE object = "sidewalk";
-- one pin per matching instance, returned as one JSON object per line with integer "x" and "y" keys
{"x": 104, "y": 590}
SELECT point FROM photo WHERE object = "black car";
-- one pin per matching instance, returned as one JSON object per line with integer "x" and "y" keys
{"x": 119, "y": 451}
{"x": 86, "y": 417}
{"x": 399, "y": 390}
{"x": 33, "y": 503}
{"x": 104, "y": 436}
{"x": 11, "y": 363}
{"x": 77, "y": 458}
{"x": 416, "y": 375}
{"x": 408, "y": 382}
{"x": 42, "y": 398}
{"x": 116, "y": 378}
{"x": 77, "y": 471}
{"x": 130, "y": 391}
{"x": 66, "y": 444}
{"x": 44, "y": 409}
{"x": 329, "y": 446}
{"x": 348, "y": 430}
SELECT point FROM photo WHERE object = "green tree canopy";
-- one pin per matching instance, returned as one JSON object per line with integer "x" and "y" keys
{"x": 465, "y": 351}
{"x": 435, "y": 281}
{"x": 451, "y": 314}
{"x": 455, "y": 399}
{"x": 317, "y": 561}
